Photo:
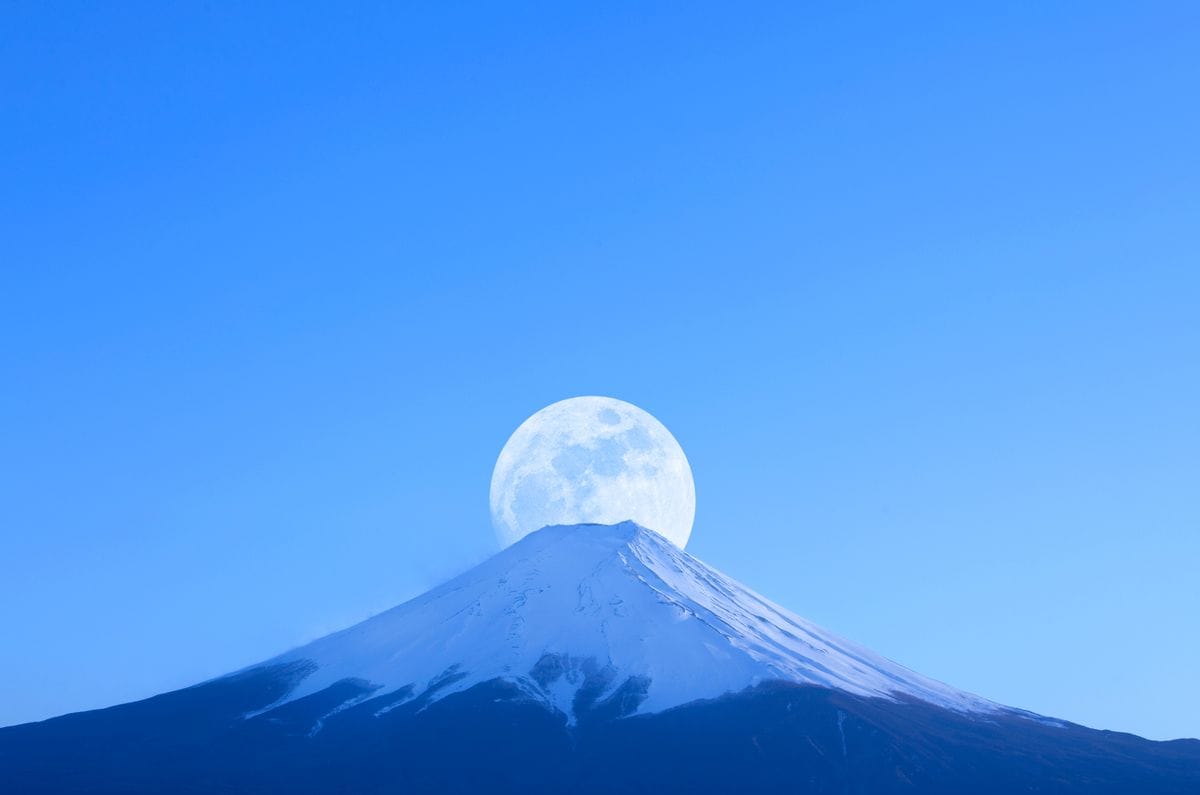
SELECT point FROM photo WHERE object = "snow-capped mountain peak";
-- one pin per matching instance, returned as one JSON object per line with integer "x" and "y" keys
{"x": 589, "y": 614}
{"x": 549, "y": 648}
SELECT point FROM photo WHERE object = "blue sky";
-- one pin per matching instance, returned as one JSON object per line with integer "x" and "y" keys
{"x": 915, "y": 288}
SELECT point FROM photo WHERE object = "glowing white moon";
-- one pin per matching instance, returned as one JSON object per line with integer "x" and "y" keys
{"x": 592, "y": 460}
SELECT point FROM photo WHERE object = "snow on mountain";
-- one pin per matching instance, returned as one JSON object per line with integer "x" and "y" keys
{"x": 602, "y": 609}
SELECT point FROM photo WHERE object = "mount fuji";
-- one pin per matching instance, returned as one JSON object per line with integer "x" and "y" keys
{"x": 590, "y": 659}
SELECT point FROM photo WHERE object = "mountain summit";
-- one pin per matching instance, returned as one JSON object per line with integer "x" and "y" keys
{"x": 583, "y": 659}
{"x": 585, "y": 614}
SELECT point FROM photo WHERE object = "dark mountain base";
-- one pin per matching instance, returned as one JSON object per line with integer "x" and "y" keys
{"x": 774, "y": 739}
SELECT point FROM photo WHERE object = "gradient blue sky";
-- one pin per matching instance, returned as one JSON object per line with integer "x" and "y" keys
{"x": 917, "y": 289}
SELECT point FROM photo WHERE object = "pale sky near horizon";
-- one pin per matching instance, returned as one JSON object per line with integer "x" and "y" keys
{"x": 915, "y": 289}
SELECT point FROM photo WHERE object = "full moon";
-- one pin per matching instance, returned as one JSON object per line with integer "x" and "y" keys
{"x": 592, "y": 460}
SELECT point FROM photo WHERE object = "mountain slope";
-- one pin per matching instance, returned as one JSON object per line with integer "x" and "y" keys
{"x": 583, "y": 659}
{"x": 601, "y": 606}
